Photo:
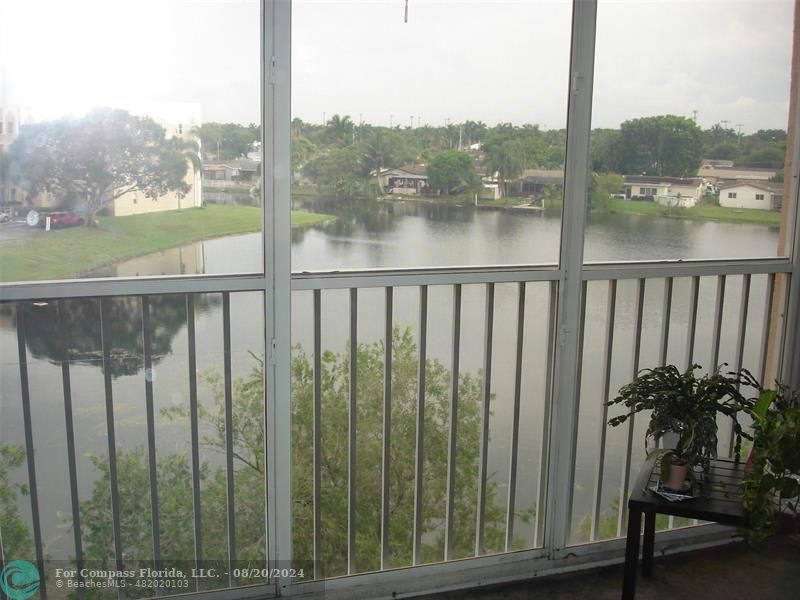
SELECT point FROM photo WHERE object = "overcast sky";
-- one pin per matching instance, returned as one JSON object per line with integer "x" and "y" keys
{"x": 488, "y": 60}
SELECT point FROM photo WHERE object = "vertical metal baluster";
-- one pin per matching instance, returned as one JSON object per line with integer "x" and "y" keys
{"x": 317, "y": 443}
{"x": 33, "y": 489}
{"x": 231, "y": 501}
{"x": 69, "y": 425}
{"x": 781, "y": 345}
{"x": 105, "y": 334}
{"x": 719, "y": 309}
{"x": 451, "y": 447}
{"x": 762, "y": 370}
{"x": 195, "y": 434}
{"x": 513, "y": 450}
{"x": 544, "y": 458}
{"x": 485, "y": 416}
{"x": 351, "y": 435}
{"x": 744, "y": 307}
{"x": 420, "y": 440}
{"x": 691, "y": 326}
{"x": 387, "y": 426}
{"x": 603, "y": 423}
{"x": 665, "y": 320}
{"x": 664, "y": 345}
{"x": 578, "y": 384}
{"x": 151, "y": 430}
{"x": 626, "y": 470}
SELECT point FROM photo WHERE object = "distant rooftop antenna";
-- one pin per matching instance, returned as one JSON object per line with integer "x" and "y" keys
{"x": 406, "y": 17}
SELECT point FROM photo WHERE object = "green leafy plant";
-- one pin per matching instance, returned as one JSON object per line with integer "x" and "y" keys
{"x": 772, "y": 484}
{"x": 687, "y": 405}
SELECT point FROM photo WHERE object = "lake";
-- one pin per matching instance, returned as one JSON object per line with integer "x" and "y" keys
{"x": 384, "y": 235}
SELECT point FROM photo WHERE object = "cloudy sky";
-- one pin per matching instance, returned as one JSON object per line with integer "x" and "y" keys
{"x": 488, "y": 60}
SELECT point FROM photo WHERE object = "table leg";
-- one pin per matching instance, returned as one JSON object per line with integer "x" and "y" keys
{"x": 648, "y": 542}
{"x": 631, "y": 553}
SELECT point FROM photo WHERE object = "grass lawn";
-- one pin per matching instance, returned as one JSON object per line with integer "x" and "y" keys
{"x": 704, "y": 211}
{"x": 68, "y": 252}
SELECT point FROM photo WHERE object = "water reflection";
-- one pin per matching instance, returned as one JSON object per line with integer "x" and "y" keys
{"x": 81, "y": 329}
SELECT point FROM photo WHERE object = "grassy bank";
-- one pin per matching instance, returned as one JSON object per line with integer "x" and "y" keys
{"x": 706, "y": 212}
{"x": 65, "y": 253}
{"x": 710, "y": 212}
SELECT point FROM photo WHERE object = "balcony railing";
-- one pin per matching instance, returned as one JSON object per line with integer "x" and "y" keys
{"x": 426, "y": 394}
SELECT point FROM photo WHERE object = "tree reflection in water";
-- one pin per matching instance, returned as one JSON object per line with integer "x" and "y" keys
{"x": 81, "y": 329}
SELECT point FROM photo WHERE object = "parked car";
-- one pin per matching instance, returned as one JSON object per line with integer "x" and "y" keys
{"x": 59, "y": 220}
{"x": 4, "y": 217}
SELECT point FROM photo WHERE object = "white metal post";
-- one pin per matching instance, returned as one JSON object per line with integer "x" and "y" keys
{"x": 275, "y": 140}
{"x": 790, "y": 368}
{"x": 567, "y": 364}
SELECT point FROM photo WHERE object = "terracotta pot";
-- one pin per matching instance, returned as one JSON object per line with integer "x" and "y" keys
{"x": 677, "y": 476}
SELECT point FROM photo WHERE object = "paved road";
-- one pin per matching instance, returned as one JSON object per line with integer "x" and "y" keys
{"x": 15, "y": 230}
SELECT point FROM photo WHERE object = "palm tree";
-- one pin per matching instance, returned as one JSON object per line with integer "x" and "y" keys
{"x": 340, "y": 129}
{"x": 379, "y": 151}
{"x": 188, "y": 151}
{"x": 508, "y": 160}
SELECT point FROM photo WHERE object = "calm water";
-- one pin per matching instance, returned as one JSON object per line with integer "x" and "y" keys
{"x": 397, "y": 235}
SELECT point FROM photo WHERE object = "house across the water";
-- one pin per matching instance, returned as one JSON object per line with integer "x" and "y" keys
{"x": 684, "y": 192}
{"x": 751, "y": 194}
{"x": 408, "y": 179}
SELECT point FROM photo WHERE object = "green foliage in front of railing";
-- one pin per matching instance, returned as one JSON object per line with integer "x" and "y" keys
{"x": 771, "y": 489}
{"x": 175, "y": 484}
{"x": 369, "y": 444}
{"x": 16, "y": 537}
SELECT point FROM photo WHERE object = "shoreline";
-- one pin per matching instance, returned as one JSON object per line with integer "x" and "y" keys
{"x": 67, "y": 253}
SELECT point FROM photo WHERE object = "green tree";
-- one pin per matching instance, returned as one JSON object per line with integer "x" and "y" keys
{"x": 602, "y": 186}
{"x": 508, "y": 161}
{"x": 452, "y": 171}
{"x": 248, "y": 443}
{"x": 662, "y": 145}
{"x": 475, "y": 131}
{"x": 227, "y": 141}
{"x": 605, "y": 149}
{"x": 380, "y": 151}
{"x": 100, "y": 157}
{"x": 340, "y": 130}
{"x": 81, "y": 329}
{"x": 16, "y": 536}
{"x": 338, "y": 169}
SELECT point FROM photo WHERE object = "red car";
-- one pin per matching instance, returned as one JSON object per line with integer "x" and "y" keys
{"x": 59, "y": 220}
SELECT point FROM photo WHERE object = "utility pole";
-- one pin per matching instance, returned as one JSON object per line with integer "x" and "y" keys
{"x": 391, "y": 121}
{"x": 724, "y": 123}
{"x": 739, "y": 126}
{"x": 323, "y": 118}
{"x": 694, "y": 112}
{"x": 412, "y": 121}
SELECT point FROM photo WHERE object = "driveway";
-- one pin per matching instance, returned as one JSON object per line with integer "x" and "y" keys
{"x": 14, "y": 230}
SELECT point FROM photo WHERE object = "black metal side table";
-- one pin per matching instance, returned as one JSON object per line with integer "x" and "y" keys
{"x": 719, "y": 500}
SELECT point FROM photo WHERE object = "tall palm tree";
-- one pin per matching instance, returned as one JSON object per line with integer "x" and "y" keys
{"x": 508, "y": 160}
{"x": 340, "y": 129}
{"x": 378, "y": 152}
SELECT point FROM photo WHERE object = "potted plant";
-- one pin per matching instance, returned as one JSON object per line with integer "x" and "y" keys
{"x": 686, "y": 405}
{"x": 772, "y": 485}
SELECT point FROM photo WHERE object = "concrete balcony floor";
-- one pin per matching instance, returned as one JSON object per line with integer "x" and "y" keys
{"x": 730, "y": 572}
